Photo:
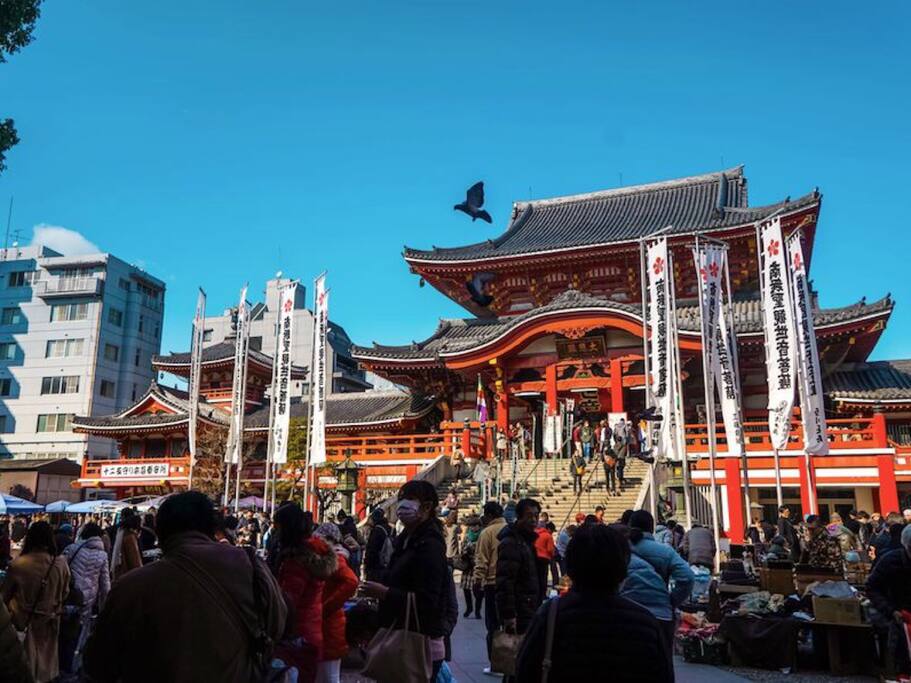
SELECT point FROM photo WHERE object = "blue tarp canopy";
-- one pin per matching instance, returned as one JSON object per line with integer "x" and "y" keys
{"x": 58, "y": 506}
{"x": 12, "y": 505}
{"x": 94, "y": 507}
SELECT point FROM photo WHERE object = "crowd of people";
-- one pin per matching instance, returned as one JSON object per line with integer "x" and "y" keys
{"x": 123, "y": 599}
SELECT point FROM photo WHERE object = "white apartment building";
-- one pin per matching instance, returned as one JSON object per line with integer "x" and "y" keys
{"x": 346, "y": 374}
{"x": 77, "y": 334}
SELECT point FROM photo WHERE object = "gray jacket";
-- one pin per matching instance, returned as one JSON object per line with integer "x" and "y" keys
{"x": 699, "y": 546}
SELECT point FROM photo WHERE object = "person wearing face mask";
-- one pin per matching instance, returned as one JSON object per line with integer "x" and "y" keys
{"x": 418, "y": 565}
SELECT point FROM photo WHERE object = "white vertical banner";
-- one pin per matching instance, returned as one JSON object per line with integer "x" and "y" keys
{"x": 281, "y": 415}
{"x": 718, "y": 340}
{"x": 319, "y": 372}
{"x": 239, "y": 385}
{"x": 199, "y": 322}
{"x": 662, "y": 354}
{"x": 778, "y": 326}
{"x": 809, "y": 378}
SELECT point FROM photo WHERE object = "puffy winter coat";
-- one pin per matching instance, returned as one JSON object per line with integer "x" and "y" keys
{"x": 485, "y": 557}
{"x": 338, "y": 588}
{"x": 668, "y": 564}
{"x": 644, "y": 587}
{"x": 418, "y": 566}
{"x": 517, "y": 593}
{"x": 598, "y": 637}
{"x": 89, "y": 567}
{"x": 302, "y": 576}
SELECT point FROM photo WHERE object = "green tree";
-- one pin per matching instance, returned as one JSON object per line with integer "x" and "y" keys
{"x": 17, "y": 21}
{"x": 291, "y": 475}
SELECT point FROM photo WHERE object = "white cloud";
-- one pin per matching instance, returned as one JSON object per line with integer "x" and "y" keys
{"x": 67, "y": 242}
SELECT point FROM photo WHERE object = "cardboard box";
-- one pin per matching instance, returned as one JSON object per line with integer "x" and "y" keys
{"x": 838, "y": 611}
{"x": 777, "y": 580}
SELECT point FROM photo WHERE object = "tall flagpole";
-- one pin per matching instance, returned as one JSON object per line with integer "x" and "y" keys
{"x": 777, "y": 463}
{"x": 193, "y": 384}
{"x": 649, "y": 399}
{"x": 270, "y": 445}
{"x": 678, "y": 392}
{"x": 708, "y": 330}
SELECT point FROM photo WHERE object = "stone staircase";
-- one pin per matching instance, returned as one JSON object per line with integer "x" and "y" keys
{"x": 550, "y": 482}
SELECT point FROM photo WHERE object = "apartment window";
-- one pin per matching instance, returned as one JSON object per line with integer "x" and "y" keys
{"x": 55, "y": 422}
{"x": 124, "y": 285}
{"x": 115, "y": 317}
{"x": 157, "y": 330}
{"x": 111, "y": 352}
{"x": 141, "y": 323}
{"x": 135, "y": 388}
{"x": 207, "y": 335}
{"x": 61, "y": 312}
{"x": 8, "y": 351}
{"x": 137, "y": 357}
{"x": 107, "y": 388}
{"x": 3, "y": 421}
{"x": 6, "y": 386}
{"x": 62, "y": 348}
{"x": 63, "y": 384}
{"x": 24, "y": 278}
{"x": 12, "y": 316}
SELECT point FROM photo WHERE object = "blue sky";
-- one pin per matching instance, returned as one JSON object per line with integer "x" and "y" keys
{"x": 218, "y": 142}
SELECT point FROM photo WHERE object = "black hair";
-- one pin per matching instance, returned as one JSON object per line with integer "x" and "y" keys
{"x": 624, "y": 518}
{"x": 39, "y": 536}
{"x": 133, "y": 522}
{"x": 812, "y": 519}
{"x": 671, "y": 524}
{"x": 589, "y": 519}
{"x": 422, "y": 491}
{"x": 640, "y": 522}
{"x": 524, "y": 504}
{"x": 231, "y": 522}
{"x": 551, "y": 527}
{"x": 148, "y": 519}
{"x": 294, "y": 527}
{"x": 599, "y": 508}
{"x": 493, "y": 509}
{"x": 187, "y": 511}
{"x": 597, "y": 558}
{"x": 784, "y": 508}
{"x": 90, "y": 530}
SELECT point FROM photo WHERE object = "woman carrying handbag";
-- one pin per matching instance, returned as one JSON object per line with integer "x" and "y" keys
{"x": 414, "y": 597}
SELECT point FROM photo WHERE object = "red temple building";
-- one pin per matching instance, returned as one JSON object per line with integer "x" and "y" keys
{"x": 556, "y": 313}
{"x": 555, "y": 310}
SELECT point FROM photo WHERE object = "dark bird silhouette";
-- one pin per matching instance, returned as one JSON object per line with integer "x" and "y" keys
{"x": 474, "y": 200}
{"x": 477, "y": 288}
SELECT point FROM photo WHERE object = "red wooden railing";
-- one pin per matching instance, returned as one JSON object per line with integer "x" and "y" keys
{"x": 851, "y": 433}
{"x": 390, "y": 447}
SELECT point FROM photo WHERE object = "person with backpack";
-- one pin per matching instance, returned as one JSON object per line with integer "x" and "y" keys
{"x": 577, "y": 470}
{"x": 35, "y": 589}
{"x": 592, "y": 633}
{"x": 91, "y": 577}
{"x": 206, "y": 611}
{"x": 379, "y": 546}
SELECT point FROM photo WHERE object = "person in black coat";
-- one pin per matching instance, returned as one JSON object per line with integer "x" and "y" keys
{"x": 598, "y": 634}
{"x": 517, "y": 588}
{"x": 379, "y": 532}
{"x": 786, "y": 530}
{"x": 418, "y": 566}
{"x": 889, "y": 589}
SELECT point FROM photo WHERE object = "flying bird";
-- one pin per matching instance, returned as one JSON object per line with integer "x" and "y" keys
{"x": 474, "y": 200}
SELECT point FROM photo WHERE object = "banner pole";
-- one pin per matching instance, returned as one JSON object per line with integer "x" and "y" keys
{"x": 678, "y": 394}
{"x": 649, "y": 400}
{"x": 708, "y": 382}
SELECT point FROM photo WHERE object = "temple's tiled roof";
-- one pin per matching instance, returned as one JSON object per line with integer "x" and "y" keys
{"x": 359, "y": 408}
{"x": 456, "y": 336}
{"x": 217, "y": 353}
{"x": 884, "y": 380}
{"x": 714, "y": 201}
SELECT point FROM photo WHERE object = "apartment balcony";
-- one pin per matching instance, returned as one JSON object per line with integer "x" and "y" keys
{"x": 69, "y": 287}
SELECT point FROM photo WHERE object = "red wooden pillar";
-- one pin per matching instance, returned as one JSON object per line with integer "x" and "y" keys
{"x": 360, "y": 496}
{"x": 733, "y": 486}
{"x": 807, "y": 484}
{"x": 888, "y": 487}
{"x": 487, "y": 442}
{"x": 616, "y": 386}
{"x": 503, "y": 409}
{"x": 466, "y": 442}
{"x": 880, "y": 435}
{"x": 550, "y": 378}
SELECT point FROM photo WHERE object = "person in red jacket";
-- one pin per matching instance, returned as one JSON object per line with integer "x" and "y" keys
{"x": 305, "y": 564}
{"x": 339, "y": 587}
{"x": 545, "y": 550}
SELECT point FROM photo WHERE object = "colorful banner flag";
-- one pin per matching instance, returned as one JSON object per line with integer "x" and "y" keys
{"x": 281, "y": 366}
{"x": 481, "y": 402}
{"x": 809, "y": 377}
{"x": 662, "y": 353}
{"x": 728, "y": 385}
{"x": 318, "y": 372}
{"x": 199, "y": 323}
{"x": 233, "y": 452}
{"x": 778, "y": 325}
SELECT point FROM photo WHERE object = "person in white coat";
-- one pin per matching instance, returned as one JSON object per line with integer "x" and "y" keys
{"x": 88, "y": 562}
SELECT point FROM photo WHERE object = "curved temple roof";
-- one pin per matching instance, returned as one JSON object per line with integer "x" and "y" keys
{"x": 453, "y": 337}
{"x": 219, "y": 353}
{"x": 874, "y": 382}
{"x": 713, "y": 201}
